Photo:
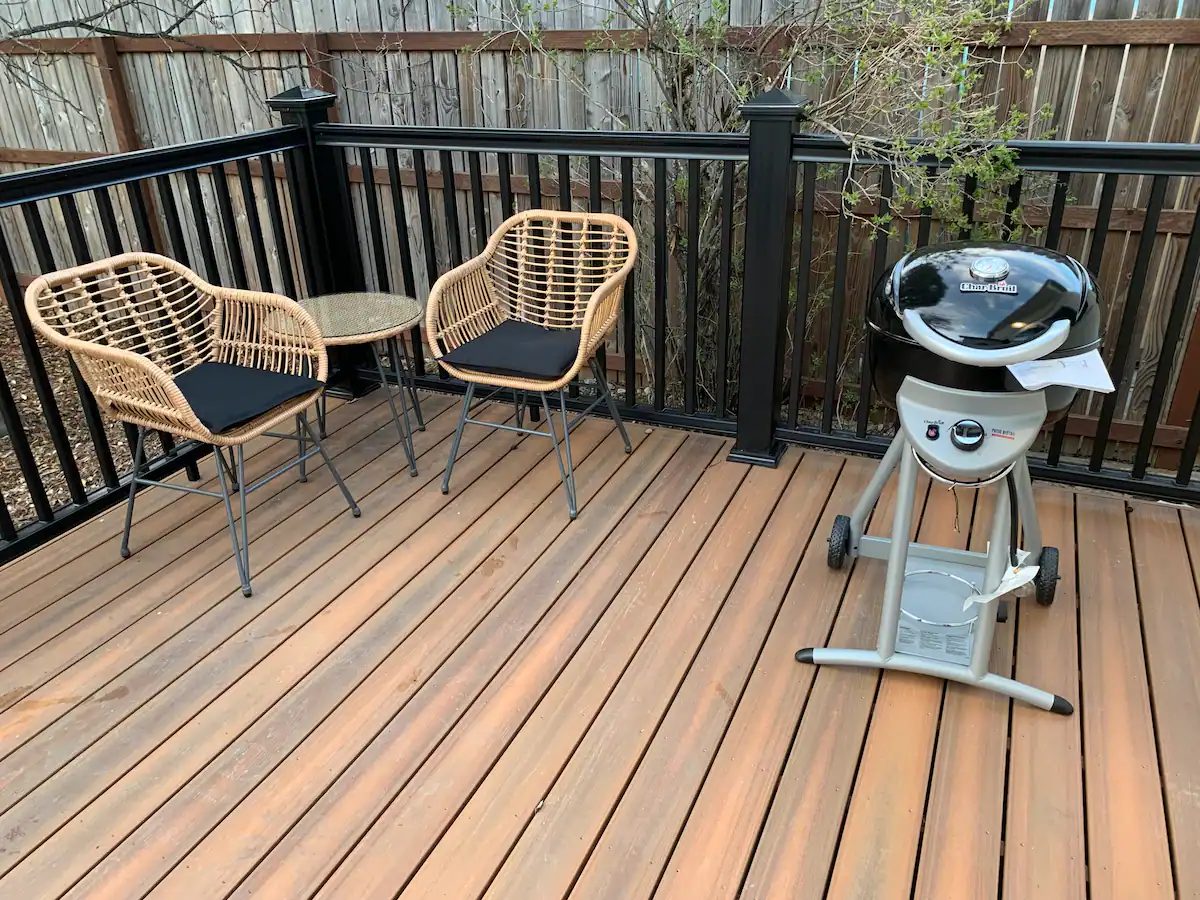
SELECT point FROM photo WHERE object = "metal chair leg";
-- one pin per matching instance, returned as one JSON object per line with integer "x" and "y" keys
{"x": 405, "y": 429}
{"x": 519, "y": 406}
{"x": 462, "y": 421}
{"x": 230, "y": 466}
{"x": 321, "y": 410}
{"x": 565, "y": 470}
{"x": 602, "y": 385}
{"x": 406, "y": 366}
{"x": 332, "y": 468}
{"x": 137, "y": 461}
{"x": 241, "y": 552}
{"x": 303, "y": 454}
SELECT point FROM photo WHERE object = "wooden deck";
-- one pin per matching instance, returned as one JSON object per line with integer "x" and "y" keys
{"x": 467, "y": 696}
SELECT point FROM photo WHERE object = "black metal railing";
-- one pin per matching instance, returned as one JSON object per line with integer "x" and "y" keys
{"x": 744, "y": 316}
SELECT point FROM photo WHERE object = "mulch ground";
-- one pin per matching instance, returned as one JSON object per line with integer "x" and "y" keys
{"x": 12, "y": 482}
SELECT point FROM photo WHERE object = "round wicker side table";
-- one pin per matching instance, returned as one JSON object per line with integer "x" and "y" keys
{"x": 373, "y": 318}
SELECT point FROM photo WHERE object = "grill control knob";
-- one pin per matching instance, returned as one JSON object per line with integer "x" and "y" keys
{"x": 966, "y": 435}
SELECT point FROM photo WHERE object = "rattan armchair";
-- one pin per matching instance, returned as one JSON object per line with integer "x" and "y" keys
{"x": 162, "y": 349}
{"x": 529, "y": 313}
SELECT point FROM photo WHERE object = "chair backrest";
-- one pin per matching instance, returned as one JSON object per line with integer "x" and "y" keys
{"x": 544, "y": 265}
{"x": 137, "y": 303}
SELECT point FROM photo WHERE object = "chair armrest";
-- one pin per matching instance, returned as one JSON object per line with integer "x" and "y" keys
{"x": 603, "y": 308}
{"x": 133, "y": 387}
{"x": 267, "y": 331}
{"x": 461, "y": 306}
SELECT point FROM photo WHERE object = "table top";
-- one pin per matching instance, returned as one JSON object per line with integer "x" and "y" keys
{"x": 357, "y": 318}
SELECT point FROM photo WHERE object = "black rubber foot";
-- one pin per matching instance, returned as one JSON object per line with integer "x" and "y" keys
{"x": 420, "y": 428}
{"x": 304, "y": 479}
{"x": 356, "y": 512}
{"x": 445, "y": 490}
{"x": 1062, "y": 706}
{"x": 246, "y": 592}
{"x": 125, "y": 553}
{"x": 412, "y": 474}
{"x": 805, "y": 655}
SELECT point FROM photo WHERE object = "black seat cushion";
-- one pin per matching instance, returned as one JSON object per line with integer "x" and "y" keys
{"x": 519, "y": 350}
{"x": 223, "y": 395}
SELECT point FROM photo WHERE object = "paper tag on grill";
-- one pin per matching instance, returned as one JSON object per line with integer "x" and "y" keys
{"x": 1086, "y": 371}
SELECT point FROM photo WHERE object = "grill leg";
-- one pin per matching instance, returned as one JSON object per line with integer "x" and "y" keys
{"x": 137, "y": 462}
{"x": 565, "y": 469}
{"x": 462, "y": 421}
{"x": 332, "y": 468}
{"x": 602, "y": 385}
{"x": 404, "y": 429}
{"x": 241, "y": 551}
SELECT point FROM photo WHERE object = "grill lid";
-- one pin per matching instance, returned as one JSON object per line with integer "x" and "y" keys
{"x": 989, "y": 296}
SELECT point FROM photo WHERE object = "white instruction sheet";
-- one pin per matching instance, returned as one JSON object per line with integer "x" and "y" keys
{"x": 1086, "y": 371}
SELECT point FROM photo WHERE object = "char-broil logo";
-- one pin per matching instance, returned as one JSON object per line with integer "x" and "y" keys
{"x": 989, "y": 287}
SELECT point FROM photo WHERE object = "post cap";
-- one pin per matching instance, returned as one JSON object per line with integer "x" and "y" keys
{"x": 774, "y": 104}
{"x": 302, "y": 97}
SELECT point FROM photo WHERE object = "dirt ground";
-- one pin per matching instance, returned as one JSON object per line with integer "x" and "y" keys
{"x": 12, "y": 483}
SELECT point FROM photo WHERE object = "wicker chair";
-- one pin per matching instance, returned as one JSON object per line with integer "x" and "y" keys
{"x": 162, "y": 349}
{"x": 529, "y": 313}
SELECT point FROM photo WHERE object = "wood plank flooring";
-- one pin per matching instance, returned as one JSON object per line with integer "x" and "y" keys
{"x": 467, "y": 695}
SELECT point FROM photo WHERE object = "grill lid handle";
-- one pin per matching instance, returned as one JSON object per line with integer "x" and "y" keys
{"x": 918, "y": 329}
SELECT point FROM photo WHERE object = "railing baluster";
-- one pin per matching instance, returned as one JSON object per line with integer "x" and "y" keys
{"x": 19, "y": 439}
{"x": 594, "y": 205}
{"x": 691, "y": 304}
{"x": 595, "y": 199}
{"x": 564, "y": 183}
{"x": 207, "y": 252}
{"x": 1108, "y": 193}
{"x": 373, "y": 219}
{"x": 629, "y": 300}
{"x": 257, "y": 243}
{"x": 87, "y": 402}
{"x": 837, "y": 302}
{"x": 504, "y": 163}
{"x": 1170, "y": 343}
{"x": 660, "y": 283}
{"x": 1010, "y": 209}
{"x": 170, "y": 211}
{"x": 309, "y": 243}
{"x": 450, "y": 204}
{"x": 112, "y": 240}
{"x": 233, "y": 243}
{"x": 1187, "y": 460}
{"x": 35, "y": 364}
{"x": 723, "y": 288}
{"x": 278, "y": 228}
{"x": 406, "y": 261}
{"x": 8, "y": 531}
{"x": 400, "y": 214}
{"x": 878, "y": 265}
{"x": 533, "y": 173}
{"x": 477, "y": 204}
{"x": 1058, "y": 207}
{"x": 1137, "y": 283}
{"x": 926, "y": 220}
{"x": 803, "y": 273}
{"x": 426, "y": 213}
{"x": 970, "y": 186}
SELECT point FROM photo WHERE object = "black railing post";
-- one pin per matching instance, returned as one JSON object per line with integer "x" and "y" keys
{"x": 317, "y": 183}
{"x": 770, "y": 209}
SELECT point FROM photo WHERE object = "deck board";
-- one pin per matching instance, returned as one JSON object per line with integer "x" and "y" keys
{"x": 465, "y": 696}
{"x": 1044, "y": 853}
